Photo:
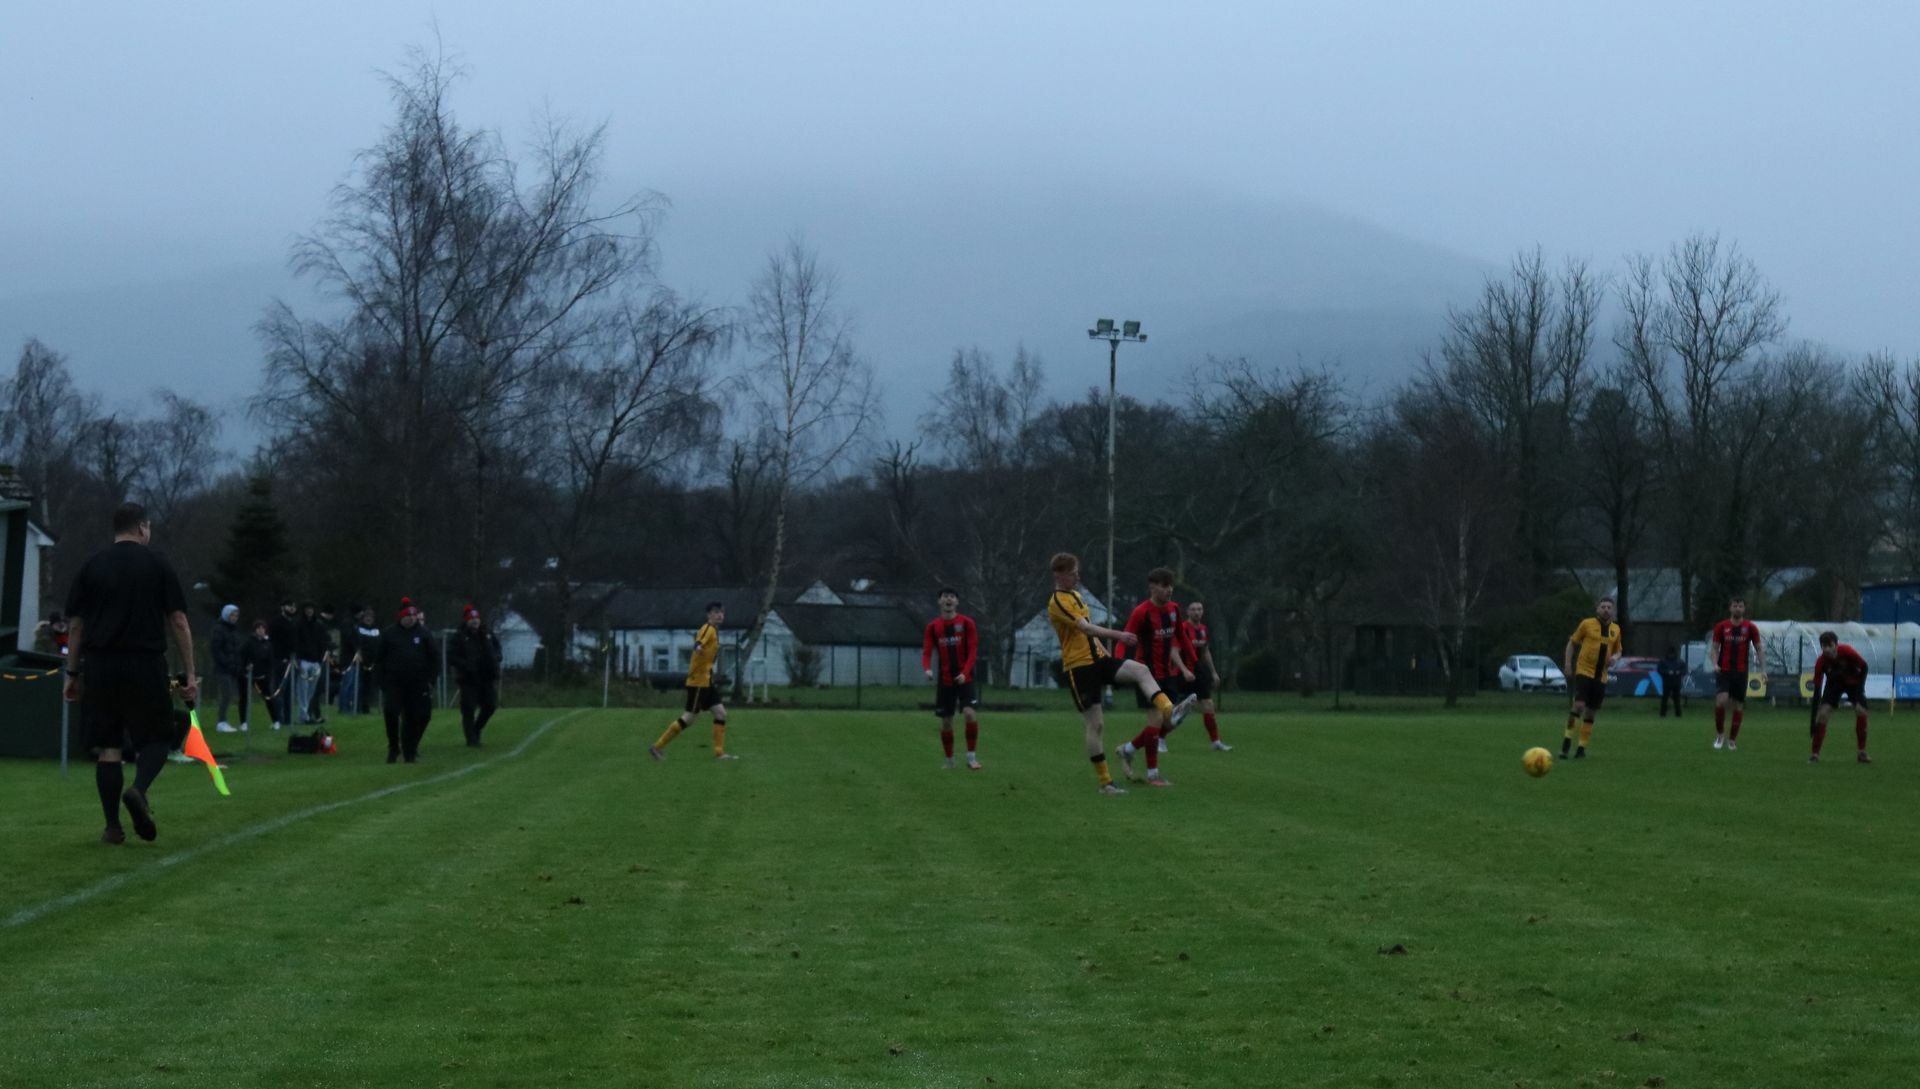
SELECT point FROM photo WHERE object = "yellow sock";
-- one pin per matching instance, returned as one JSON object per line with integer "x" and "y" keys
{"x": 1571, "y": 720}
{"x": 1586, "y": 733}
{"x": 719, "y": 738}
{"x": 1161, "y": 702}
{"x": 673, "y": 731}
{"x": 1100, "y": 767}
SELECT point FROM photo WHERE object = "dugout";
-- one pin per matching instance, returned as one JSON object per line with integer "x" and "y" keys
{"x": 30, "y": 691}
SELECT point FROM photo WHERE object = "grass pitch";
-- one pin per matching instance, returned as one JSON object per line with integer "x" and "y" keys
{"x": 1365, "y": 898}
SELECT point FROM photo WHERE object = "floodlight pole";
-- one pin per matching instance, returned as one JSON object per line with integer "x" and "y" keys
{"x": 1106, "y": 329}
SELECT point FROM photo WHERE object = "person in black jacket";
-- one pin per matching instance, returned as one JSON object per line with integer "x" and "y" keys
{"x": 473, "y": 653}
{"x": 256, "y": 658}
{"x": 407, "y": 663}
{"x": 229, "y": 669}
{"x": 310, "y": 645}
{"x": 1673, "y": 676}
{"x": 281, "y": 632}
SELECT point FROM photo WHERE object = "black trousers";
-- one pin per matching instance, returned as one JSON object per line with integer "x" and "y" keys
{"x": 1670, "y": 693}
{"x": 408, "y": 707}
{"x": 478, "y": 701}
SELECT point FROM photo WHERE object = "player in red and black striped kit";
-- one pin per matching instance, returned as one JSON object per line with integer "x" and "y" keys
{"x": 956, "y": 640}
{"x": 1733, "y": 639}
{"x": 1845, "y": 674}
{"x": 1206, "y": 676}
{"x": 1155, "y": 622}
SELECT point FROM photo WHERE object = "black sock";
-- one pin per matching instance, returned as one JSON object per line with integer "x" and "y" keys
{"x": 147, "y": 764}
{"x": 109, "y": 778}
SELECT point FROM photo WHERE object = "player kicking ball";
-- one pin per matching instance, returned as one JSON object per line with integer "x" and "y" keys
{"x": 1845, "y": 674}
{"x": 1090, "y": 668}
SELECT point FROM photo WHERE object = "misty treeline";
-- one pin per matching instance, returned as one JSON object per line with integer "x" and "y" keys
{"x": 505, "y": 405}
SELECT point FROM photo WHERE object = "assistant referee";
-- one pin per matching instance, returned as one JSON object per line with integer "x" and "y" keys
{"x": 123, "y": 604}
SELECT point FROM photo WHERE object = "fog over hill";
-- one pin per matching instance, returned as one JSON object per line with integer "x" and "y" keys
{"x": 924, "y": 268}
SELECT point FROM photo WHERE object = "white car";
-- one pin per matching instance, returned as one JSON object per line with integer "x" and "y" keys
{"x": 1531, "y": 673}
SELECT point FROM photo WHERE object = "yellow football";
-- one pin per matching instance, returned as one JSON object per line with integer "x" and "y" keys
{"x": 1537, "y": 761}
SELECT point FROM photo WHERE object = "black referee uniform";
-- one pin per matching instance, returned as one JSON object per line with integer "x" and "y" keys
{"x": 407, "y": 663}
{"x": 126, "y": 600}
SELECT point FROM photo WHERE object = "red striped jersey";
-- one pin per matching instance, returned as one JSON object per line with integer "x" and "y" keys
{"x": 1158, "y": 629}
{"x": 1193, "y": 643}
{"x": 957, "y": 642}
{"x": 1846, "y": 667}
{"x": 1736, "y": 638}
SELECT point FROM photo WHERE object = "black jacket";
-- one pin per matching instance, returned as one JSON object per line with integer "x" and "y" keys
{"x": 256, "y": 654}
{"x": 474, "y": 656}
{"x": 310, "y": 640}
{"x": 225, "y": 643}
{"x": 406, "y": 655}
{"x": 280, "y": 632}
{"x": 1672, "y": 667}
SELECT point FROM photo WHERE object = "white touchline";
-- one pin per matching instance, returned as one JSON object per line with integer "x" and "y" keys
{"x": 108, "y": 884}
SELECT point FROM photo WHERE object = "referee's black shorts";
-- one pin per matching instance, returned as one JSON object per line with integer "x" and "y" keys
{"x": 124, "y": 701}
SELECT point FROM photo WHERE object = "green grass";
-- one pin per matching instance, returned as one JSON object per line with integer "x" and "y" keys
{"x": 834, "y": 910}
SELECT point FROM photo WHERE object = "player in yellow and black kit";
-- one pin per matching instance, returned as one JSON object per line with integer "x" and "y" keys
{"x": 1596, "y": 642}
{"x": 1090, "y": 668}
{"x": 701, "y": 694}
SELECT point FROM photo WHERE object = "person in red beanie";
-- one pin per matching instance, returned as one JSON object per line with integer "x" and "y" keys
{"x": 407, "y": 663}
{"x": 473, "y": 653}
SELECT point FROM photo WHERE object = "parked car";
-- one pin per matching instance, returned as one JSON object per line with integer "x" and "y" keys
{"x": 1634, "y": 677}
{"x": 1531, "y": 673}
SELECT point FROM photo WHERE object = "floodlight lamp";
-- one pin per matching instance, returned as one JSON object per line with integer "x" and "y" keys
{"x": 1130, "y": 329}
{"x": 1103, "y": 327}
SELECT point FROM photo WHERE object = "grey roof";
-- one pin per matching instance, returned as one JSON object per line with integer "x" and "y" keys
{"x": 851, "y": 625}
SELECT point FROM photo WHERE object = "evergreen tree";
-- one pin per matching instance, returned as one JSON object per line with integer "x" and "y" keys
{"x": 254, "y": 571}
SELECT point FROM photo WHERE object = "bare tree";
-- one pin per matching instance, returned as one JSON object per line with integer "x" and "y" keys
{"x": 1615, "y": 483}
{"x": 1516, "y": 361}
{"x": 43, "y": 426}
{"x": 1693, "y": 325}
{"x": 183, "y": 455}
{"x": 998, "y": 494}
{"x": 639, "y": 403}
{"x": 812, "y": 397}
{"x": 463, "y": 281}
{"x": 1891, "y": 394}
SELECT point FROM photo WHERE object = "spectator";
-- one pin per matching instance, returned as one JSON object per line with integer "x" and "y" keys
{"x": 228, "y": 645}
{"x": 280, "y": 631}
{"x": 407, "y": 663}
{"x": 256, "y": 656}
{"x": 1673, "y": 677}
{"x": 310, "y": 655}
{"x": 473, "y": 653}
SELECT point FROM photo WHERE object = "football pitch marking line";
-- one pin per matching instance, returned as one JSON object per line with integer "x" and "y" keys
{"x": 109, "y": 884}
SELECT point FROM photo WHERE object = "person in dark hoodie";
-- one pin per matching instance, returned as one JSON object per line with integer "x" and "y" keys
{"x": 1673, "y": 677}
{"x": 473, "y": 653}
{"x": 282, "y": 631}
{"x": 310, "y": 654}
{"x": 407, "y": 663}
{"x": 256, "y": 660}
{"x": 229, "y": 667}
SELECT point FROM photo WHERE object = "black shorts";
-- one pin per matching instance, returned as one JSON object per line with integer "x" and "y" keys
{"x": 1855, "y": 694}
{"x": 1175, "y": 687}
{"x": 702, "y": 698}
{"x": 124, "y": 701}
{"x": 949, "y": 698}
{"x": 1591, "y": 691}
{"x": 1732, "y": 683}
{"x": 1085, "y": 682}
{"x": 1202, "y": 686}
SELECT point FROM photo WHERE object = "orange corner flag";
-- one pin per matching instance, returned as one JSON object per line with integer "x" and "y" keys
{"x": 196, "y": 747}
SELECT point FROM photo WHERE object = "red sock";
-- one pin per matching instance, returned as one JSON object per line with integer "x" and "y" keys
{"x": 1734, "y": 734}
{"x": 1819, "y": 738}
{"x": 1860, "y": 731}
{"x": 1213, "y": 727}
{"x": 946, "y": 742}
{"x": 1151, "y": 748}
{"x": 973, "y": 737}
{"x": 1719, "y": 720}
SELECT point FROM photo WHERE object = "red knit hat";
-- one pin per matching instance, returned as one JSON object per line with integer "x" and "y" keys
{"x": 469, "y": 613}
{"x": 407, "y": 607}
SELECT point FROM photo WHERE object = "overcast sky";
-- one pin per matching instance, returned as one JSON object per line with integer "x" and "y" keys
{"x": 172, "y": 144}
